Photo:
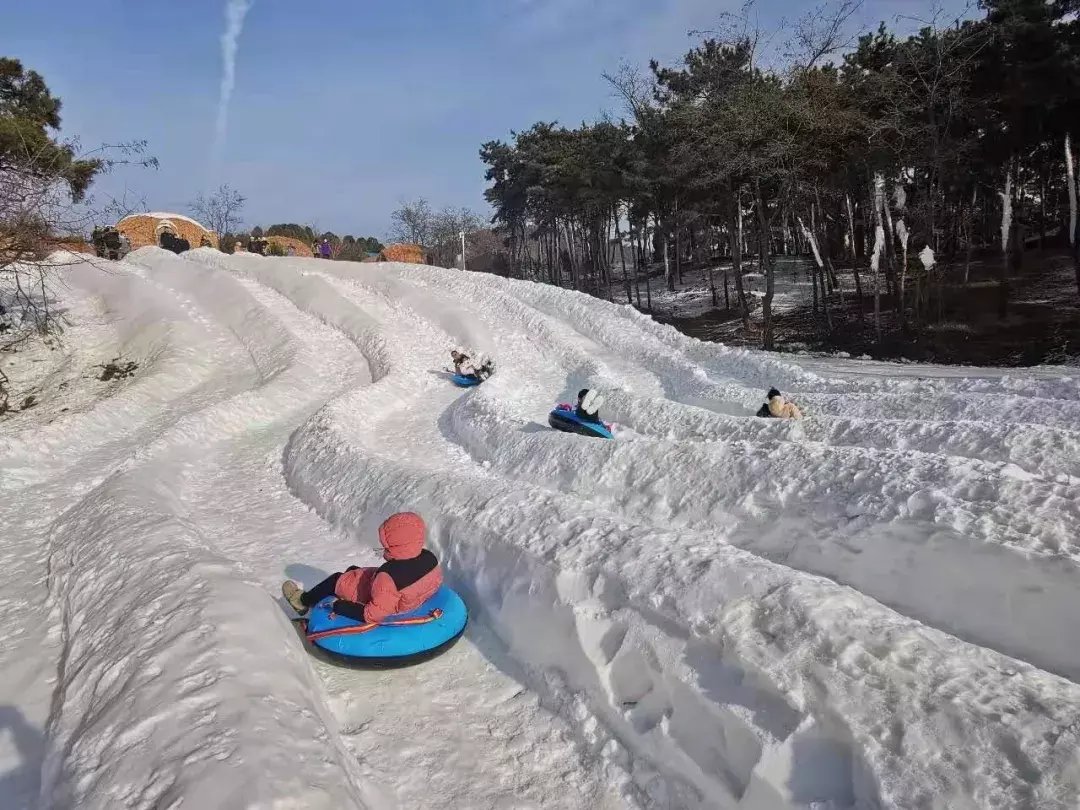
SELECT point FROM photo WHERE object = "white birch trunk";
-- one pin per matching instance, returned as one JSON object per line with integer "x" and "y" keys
{"x": 903, "y": 237}
{"x": 1070, "y": 172}
{"x": 879, "y": 247}
{"x": 809, "y": 236}
{"x": 667, "y": 261}
{"x": 1006, "y": 212}
{"x": 742, "y": 239}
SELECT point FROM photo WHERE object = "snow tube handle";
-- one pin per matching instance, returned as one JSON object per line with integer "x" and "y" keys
{"x": 363, "y": 628}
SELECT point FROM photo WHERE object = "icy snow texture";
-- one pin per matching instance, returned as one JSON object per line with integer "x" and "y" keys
{"x": 873, "y": 607}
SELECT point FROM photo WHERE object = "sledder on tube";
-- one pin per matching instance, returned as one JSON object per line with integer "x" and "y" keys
{"x": 469, "y": 372}
{"x": 584, "y": 418}
{"x": 398, "y": 614}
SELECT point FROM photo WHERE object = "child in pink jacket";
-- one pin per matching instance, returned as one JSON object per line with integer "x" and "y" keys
{"x": 410, "y": 576}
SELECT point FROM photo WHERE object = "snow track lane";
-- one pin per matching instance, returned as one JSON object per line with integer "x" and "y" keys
{"x": 645, "y": 630}
{"x": 468, "y": 718}
{"x": 165, "y": 691}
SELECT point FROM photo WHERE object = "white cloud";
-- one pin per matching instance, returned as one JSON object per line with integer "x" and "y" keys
{"x": 235, "y": 12}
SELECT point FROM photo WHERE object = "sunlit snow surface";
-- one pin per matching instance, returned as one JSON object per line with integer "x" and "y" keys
{"x": 875, "y": 607}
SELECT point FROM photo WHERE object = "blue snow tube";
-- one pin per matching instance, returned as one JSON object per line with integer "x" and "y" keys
{"x": 397, "y": 641}
{"x": 570, "y": 422}
{"x": 466, "y": 380}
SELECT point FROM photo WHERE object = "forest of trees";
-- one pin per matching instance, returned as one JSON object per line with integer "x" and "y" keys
{"x": 906, "y": 161}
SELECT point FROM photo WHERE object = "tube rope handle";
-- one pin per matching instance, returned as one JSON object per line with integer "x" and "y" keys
{"x": 363, "y": 628}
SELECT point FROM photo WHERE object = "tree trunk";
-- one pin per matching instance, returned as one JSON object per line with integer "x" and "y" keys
{"x": 669, "y": 280}
{"x": 648, "y": 288}
{"x": 1074, "y": 237}
{"x": 636, "y": 243}
{"x": 970, "y": 247}
{"x": 854, "y": 255}
{"x": 811, "y": 240}
{"x": 736, "y": 262}
{"x": 678, "y": 245}
{"x": 1006, "y": 231}
{"x": 879, "y": 246}
{"x": 766, "y": 264}
{"x": 622, "y": 258}
{"x": 889, "y": 252}
{"x": 709, "y": 260}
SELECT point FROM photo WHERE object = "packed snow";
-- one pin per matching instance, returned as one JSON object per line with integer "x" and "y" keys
{"x": 874, "y": 607}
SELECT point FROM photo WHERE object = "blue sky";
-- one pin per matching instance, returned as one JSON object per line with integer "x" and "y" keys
{"x": 342, "y": 109}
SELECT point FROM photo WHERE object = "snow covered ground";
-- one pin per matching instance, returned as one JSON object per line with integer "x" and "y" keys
{"x": 874, "y": 608}
{"x": 693, "y": 297}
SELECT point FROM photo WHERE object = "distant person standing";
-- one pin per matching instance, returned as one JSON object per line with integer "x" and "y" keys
{"x": 324, "y": 249}
{"x": 315, "y": 250}
{"x": 112, "y": 243}
{"x": 98, "y": 238}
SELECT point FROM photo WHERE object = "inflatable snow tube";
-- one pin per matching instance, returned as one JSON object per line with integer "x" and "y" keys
{"x": 466, "y": 380}
{"x": 397, "y": 641}
{"x": 570, "y": 422}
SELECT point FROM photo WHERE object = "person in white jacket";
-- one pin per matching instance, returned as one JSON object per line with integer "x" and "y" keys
{"x": 481, "y": 368}
{"x": 779, "y": 407}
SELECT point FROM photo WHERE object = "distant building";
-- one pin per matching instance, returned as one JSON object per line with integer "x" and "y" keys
{"x": 409, "y": 254}
{"x": 299, "y": 246}
{"x": 146, "y": 229}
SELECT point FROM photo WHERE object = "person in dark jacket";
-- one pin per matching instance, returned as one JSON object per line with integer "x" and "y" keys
{"x": 410, "y": 576}
{"x": 171, "y": 241}
{"x": 112, "y": 243}
{"x": 587, "y": 408}
{"x": 324, "y": 249}
{"x": 98, "y": 240}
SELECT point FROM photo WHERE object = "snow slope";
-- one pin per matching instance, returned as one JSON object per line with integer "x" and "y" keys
{"x": 871, "y": 608}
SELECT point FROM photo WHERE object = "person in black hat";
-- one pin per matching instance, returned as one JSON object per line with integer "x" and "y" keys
{"x": 778, "y": 407}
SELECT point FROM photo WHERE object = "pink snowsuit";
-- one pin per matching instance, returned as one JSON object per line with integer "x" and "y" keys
{"x": 409, "y": 578}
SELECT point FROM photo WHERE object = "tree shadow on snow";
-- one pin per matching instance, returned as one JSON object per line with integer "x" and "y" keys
{"x": 20, "y": 784}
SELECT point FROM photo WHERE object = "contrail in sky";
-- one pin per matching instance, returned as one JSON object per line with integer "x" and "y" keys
{"x": 235, "y": 11}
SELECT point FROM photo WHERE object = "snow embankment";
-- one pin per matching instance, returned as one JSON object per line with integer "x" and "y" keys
{"x": 870, "y": 608}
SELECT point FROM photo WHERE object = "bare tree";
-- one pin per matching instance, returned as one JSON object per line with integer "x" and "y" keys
{"x": 39, "y": 213}
{"x": 413, "y": 222}
{"x": 822, "y": 32}
{"x": 446, "y": 229}
{"x": 221, "y": 210}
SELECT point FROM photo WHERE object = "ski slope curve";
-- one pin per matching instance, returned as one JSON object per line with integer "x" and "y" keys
{"x": 871, "y": 608}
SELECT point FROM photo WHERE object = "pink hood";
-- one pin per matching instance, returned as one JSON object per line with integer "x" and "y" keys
{"x": 402, "y": 536}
